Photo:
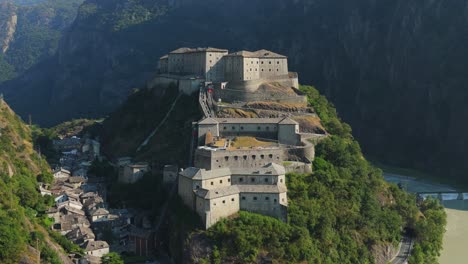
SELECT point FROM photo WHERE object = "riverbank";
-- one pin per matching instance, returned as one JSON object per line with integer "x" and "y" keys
{"x": 456, "y": 236}
{"x": 419, "y": 175}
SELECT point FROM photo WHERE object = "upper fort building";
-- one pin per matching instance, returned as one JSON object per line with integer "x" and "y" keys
{"x": 198, "y": 62}
{"x": 231, "y": 74}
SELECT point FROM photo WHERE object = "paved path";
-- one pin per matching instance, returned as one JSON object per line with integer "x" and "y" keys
{"x": 404, "y": 252}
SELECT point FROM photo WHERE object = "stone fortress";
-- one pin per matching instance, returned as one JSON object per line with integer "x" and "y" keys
{"x": 238, "y": 162}
{"x": 238, "y": 76}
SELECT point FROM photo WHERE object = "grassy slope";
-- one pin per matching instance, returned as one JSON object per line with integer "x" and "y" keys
{"x": 21, "y": 204}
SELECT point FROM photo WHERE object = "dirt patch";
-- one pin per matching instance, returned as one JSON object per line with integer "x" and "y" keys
{"x": 285, "y": 107}
{"x": 246, "y": 142}
{"x": 310, "y": 124}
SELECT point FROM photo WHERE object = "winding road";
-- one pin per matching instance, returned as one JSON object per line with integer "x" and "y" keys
{"x": 404, "y": 251}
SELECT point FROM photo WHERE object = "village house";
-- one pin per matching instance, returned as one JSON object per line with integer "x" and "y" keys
{"x": 99, "y": 215}
{"x": 131, "y": 173}
{"x": 70, "y": 203}
{"x": 93, "y": 203}
{"x": 81, "y": 235}
{"x": 61, "y": 173}
{"x": 67, "y": 210}
{"x": 76, "y": 181}
{"x": 67, "y": 223}
{"x": 96, "y": 248}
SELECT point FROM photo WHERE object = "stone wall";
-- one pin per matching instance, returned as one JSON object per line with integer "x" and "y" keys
{"x": 263, "y": 203}
{"x": 246, "y": 91}
{"x": 258, "y": 179}
{"x": 271, "y": 67}
{"x": 186, "y": 187}
{"x": 248, "y": 158}
{"x": 216, "y": 183}
{"x": 186, "y": 84}
{"x": 221, "y": 207}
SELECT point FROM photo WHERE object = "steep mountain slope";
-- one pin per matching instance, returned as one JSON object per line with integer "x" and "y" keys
{"x": 395, "y": 69}
{"x": 30, "y": 32}
{"x": 127, "y": 128}
{"x": 21, "y": 205}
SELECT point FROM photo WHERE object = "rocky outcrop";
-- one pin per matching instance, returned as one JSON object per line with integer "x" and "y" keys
{"x": 383, "y": 253}
{"x": 10, "y": 29}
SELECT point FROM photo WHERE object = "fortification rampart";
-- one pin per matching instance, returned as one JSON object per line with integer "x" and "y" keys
{"x": 241, "y": 158}
{"x": 248, "y": 91}
{"x": 186, "y": 84}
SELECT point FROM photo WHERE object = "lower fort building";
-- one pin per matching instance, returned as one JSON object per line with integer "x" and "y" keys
{"x": 220, "y": 193}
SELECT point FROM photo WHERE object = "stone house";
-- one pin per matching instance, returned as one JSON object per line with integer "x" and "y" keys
{"x": 81, "y": 235}
{"x": 69, "y": 222}
{"x": 99, "y": 215}
{"x": 61, "y": 173}
{"x": 131, "y": 173}
{"x": 96, "y": 248}
{"x": 76, "y": 181}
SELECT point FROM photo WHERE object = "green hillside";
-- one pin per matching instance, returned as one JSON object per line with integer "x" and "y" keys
{"x": 21, "y": 205}
{"x": 36, "y": 34}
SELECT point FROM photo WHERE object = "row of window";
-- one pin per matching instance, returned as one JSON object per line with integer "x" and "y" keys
{"x": 253, "y": 179}
{"x": 254, "y": 199}
{"x": 224, "y": 201}
{"x": 266, "y": 199}
{"x": 242, "y": 128}
{"x": 262, "y": 62}
{"x": 270, "y": 156}
{"x": 221, "y": 181}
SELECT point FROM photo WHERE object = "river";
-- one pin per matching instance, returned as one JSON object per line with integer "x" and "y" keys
{"x": 456, "y": 236}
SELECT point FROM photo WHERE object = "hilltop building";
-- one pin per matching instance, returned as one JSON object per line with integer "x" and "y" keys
{"x": 220, "y": 193}
{"x": 233, "y": 76}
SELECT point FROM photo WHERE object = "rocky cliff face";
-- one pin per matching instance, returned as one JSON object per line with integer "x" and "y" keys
{"x": 30, "y": 31}
{"x": 395, "y": 69}
{"x": 8, "y": 21}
